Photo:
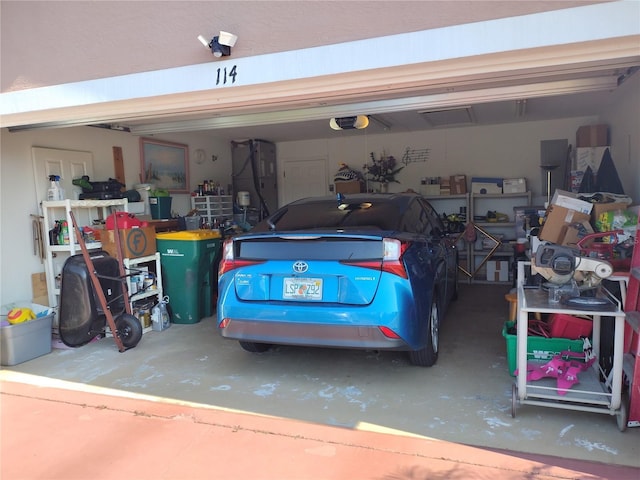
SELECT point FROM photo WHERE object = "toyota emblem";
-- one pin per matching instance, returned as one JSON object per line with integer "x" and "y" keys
{"x": 300, "y": 266}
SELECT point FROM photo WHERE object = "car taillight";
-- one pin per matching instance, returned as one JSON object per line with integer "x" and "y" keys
{"x": 393, "y": 250}
{"x": 229, "y": 262}
{"x": 387, "y": 332}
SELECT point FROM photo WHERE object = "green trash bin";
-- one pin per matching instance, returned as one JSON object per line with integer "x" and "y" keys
{"x": 189, "y": 274}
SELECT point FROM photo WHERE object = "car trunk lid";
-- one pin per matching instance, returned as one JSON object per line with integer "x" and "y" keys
{"x": 321, "y": 268}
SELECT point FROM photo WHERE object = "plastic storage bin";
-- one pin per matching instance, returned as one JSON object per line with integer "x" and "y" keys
{"x": 25, "y": 341}
{"x": 160, "y": 207}
{"x": 538, "y": 348}
{"x": 568, "y": 326}
{"x": 189, "y": 274}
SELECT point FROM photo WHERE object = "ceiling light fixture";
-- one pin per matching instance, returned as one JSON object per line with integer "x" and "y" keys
{"x": 349, "y": 123}
{"x": 221, "y": 44}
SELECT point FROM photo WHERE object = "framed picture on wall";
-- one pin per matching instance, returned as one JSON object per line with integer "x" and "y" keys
{"x": 164, "y": 165}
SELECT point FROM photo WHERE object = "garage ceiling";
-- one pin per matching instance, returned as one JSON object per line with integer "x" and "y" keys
{"x": 392, "y": 117}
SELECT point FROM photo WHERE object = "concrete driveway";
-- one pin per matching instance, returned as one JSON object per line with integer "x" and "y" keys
{"x": 464, "y": 399}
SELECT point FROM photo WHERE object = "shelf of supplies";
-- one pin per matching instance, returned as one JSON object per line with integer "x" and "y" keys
{"x": 86, "y": 212}
{"x": 502, "y": 203}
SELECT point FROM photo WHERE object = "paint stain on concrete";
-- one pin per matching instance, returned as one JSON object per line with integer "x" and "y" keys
{"x": 592, "y": 446}
{"x": 220, "y": 388}
{"x": 266, "y": 390}
{"x": 190, "y": 381}
{"x": 495, "y": 422}
{"x": 564, "y": 431}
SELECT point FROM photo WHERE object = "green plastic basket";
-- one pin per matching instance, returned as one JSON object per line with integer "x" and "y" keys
{"x": 538, "y": 348}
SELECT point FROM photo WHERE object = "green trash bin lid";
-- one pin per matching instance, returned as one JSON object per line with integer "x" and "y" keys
{"x": 189, "y": 235}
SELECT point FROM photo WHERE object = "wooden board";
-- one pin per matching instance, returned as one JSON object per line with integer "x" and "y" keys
{"x": 118, "y": 164}
{"x": 40, "y": 293}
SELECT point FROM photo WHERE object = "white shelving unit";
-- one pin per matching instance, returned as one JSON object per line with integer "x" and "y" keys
{"x": 85, "y": 212}
{"x": 212, "y": 207}
{"x": 152, "y": 295}
{"x": 454, "y": 204}
{"x": 503, "y": 232}
{"x": 591, "y": 394}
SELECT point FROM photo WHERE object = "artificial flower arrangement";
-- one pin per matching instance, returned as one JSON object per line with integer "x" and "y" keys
{"x": 383, "y": 170}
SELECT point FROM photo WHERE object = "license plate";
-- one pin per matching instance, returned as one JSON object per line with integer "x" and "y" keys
{"x": 302, "y": 288}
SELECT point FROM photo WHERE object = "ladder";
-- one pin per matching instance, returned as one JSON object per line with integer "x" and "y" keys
{"x": 631, "y": 362}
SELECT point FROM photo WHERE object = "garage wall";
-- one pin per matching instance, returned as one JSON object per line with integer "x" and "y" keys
{"x": 623, "y": 117}
{"x": 508, "y": 150}
{"x": 18, "y": 196}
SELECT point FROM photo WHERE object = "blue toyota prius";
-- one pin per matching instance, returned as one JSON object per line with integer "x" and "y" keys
{"x": 366, "y": 271}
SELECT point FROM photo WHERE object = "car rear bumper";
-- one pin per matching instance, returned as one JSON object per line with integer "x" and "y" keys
{"x": 319, "y": 335}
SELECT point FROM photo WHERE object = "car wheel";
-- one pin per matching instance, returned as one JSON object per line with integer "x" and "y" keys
{"x": 428, "y": 356}
{"x": 255, "y": 347}
{"x": 129, "y": 330}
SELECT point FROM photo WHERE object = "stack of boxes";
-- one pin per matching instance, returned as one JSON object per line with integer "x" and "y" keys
{"x": 452, "y": 185}
{"x": 567, "y": 216}
{"x": 591, "y": 143}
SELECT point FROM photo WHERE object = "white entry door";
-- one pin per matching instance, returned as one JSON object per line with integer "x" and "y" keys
{"x": 304, "y": 178}
{"x": 67, "y": 164}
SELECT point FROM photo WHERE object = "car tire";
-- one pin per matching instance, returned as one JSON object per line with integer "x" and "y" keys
{"x": 255, "y": 347}
{"x": 129, "y": 330}
{"x": 428, "y": 356}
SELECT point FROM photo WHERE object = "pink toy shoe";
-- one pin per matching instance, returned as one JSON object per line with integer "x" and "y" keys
{"x": 554, "y": 368}
{"x": 569, "y": 379}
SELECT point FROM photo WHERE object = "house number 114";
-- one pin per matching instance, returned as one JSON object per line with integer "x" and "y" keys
{"x": 222, "y": 78}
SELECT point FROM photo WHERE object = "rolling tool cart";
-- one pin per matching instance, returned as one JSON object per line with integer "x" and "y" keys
{"x": 94, "y": 293}
{"x": 566, "y": 381}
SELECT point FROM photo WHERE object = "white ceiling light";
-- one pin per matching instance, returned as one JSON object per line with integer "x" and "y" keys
{"x": 349, "y": 123}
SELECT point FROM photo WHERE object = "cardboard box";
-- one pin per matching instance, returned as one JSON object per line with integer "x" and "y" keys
{"x": 28, "y": 340}
{"x": 498, "y": 271}
{"x": 592, "y": 136}
{"x": 571, "y": 201}
{"x": 354, "y": 186}
{"x": 485, "y": 185}
{"x": 135, "y": 242}
{"x": 556, "y": 222}
{"x": 514, "y": 185}
{"x": 575, "y": 232}
{"x": 458, "y": 184}
{"x": 445, "y": 186}
{"x": 600, "y": 208}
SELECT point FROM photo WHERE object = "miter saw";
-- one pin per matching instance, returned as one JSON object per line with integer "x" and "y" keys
{"x": 561, "y": 265}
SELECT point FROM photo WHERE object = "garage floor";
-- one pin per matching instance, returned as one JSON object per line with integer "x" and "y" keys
{"x": 465, "y": 398}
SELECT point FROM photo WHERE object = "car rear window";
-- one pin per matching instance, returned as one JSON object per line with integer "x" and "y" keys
{"x": 316, "y": 248}
{"x": 318, "y": 215}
